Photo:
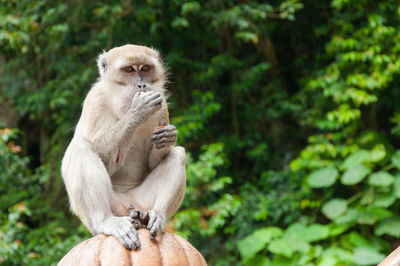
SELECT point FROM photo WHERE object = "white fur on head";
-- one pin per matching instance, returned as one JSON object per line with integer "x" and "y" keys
{"x": 156, "y": 52}
{"x": 102, "y": 63}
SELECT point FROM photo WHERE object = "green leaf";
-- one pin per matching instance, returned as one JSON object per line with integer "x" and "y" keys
{"x": 338, "y": 229}
{"x": 246, "y": 36}
{"x": 377, "y": 153}
{"x": 190, "y": 7}
{"x": 355, "y": 159}
{"x": 366, "y": 217}
{"x": 368, "y": 197}
{"x": 281, "y": 246}
{"x": 258, "y": 260}
{"x": 380, "y": 179}
{"x": 381, "y": 212}
{"x": 295, "y": 230}
{"x": 396, "y": 186}
{"x": 292, "y": 240}
{"x": 315, "y": 232}
{"x": 389, "y": 226}
{"x": 256, "y": 241}
{"x": 358, "y": 240}
{"x": 179, "y": 22}
{"x": 367, "y": 256}
{"x": 384, "y": 200}
{"x": 350, "y": 216}
{"x": 334, "y": 208}
{"x": 332, "y": 255}
{"x": 324, "y": 177}
{"x": 396, "y": 159}
{"x": 355, "y": 175}
{"x": 220, "y": 183}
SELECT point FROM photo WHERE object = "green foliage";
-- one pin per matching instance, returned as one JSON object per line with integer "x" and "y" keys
{"x": 26, "y": 229}
{"x": 324, "y": 177}
{"x": 288, "y": 110}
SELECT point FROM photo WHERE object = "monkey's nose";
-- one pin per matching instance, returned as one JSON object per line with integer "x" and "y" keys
{"x": 142, "y": 85}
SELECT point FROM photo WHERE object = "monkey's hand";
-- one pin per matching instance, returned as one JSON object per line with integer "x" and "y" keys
{"x": 156, "y": 223}
{"x": 122, "y": 229}
{"x": 145, "y": 104}
{"x": 164, "y": 137}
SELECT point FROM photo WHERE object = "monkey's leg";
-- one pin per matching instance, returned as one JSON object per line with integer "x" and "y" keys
{"x": 89, "y": 188}
{"x": 163, "y": 190}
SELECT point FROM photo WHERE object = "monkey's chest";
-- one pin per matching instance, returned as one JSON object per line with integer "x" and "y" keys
{"x": 135, "y": 165}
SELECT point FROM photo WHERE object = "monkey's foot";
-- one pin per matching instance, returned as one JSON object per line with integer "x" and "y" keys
{"x": 156, "y": 223}
{"x": 151, "y": 219}
{"x": 122, "y": 229}
{"x": 138, "y": 217}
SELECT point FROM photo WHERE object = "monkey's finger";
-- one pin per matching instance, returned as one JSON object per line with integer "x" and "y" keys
{"x": 137, "y": 226}
{"x": 164, "y": 139}
{"x": 136, "y": 223}
{"x": 128, "y": 241}
{"x": 135, "y": 237}
{"x": 165, "y": 142}
{"x": 144, "y": 215}
{"x": 164, "y": 145}
{"x": 153, "y": 96}
{"x": 122, "y": 238}
{"x": 134, "y": 213}
{"x": 153, "y": 218}
{"x": 155, "y": 108}
{"x": 150, "y": 92}
{"x": 165, "y": 135}
{"x": 131, "y": 211}
{"x": 137, "y": 96}
{"x": 169, "y": 128}
{"x": 173, "y": 131}
{"x": 155, "y": 229}
{"x": 156, "y": 101}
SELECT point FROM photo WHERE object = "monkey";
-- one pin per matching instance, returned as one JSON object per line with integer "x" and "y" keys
{"x": 116, "y": 158}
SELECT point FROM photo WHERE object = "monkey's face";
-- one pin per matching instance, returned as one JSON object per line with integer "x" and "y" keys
{"x": 134, "y": 67}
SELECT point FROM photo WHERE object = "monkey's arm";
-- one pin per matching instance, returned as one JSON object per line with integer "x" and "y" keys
{"x": 110, "y": 143}
{"x": 90, "y": 193}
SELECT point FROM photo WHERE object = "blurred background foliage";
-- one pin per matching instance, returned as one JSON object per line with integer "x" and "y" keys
{"x": 289, "y": 111}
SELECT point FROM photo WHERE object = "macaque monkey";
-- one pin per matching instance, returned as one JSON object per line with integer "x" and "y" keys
{"x": 117, "y": 159}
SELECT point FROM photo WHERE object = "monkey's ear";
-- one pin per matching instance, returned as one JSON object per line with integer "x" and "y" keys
{"x": 156, "y": 52}
{"x": 102, "y": 63}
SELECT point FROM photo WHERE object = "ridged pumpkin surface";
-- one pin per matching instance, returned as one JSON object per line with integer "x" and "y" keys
{"x": 167, "y": 249}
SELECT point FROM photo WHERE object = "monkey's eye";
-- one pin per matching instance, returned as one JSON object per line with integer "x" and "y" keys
{"x": 145, "y": 68}
{"x": 129, "y": 69}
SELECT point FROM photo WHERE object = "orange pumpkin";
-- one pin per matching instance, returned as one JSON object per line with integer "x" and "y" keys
{"x": 166, "y": 249}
